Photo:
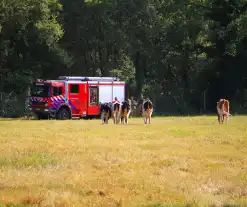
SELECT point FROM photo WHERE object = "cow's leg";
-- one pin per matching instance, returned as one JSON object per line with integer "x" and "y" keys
{"x": 119, "y": 118}
{"x": 106, "y": 119}
{"x": 114, "y": 119}
{"x": 219, "y": 114}
{"x": 122, "y": 118}
{"x": 149, "y": 118}
{"x": 222, "y": 117}
{"x": 127, "y": 117}
{"x": 225, "y": 118}
{"x": 228, "y": 117}
{"x": 219, "y": 118}
{"x": 144, "y": 116}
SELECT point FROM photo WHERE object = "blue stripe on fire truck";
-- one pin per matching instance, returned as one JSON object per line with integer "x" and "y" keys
{"x": 72, "y": 105}
{"x": 58, "y": 100}
{"x": 36, "y": 99}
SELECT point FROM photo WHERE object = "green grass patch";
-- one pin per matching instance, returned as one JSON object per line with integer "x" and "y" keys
{"x": 174, "y": 160}
{"x": 29, "y": 159}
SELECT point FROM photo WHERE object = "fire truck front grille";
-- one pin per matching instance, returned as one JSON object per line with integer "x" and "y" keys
{"x": 38, "y": 103}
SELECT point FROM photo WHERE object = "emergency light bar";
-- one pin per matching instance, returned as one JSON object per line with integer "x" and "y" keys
{"x": 88, "y": 78}
{"x": 42, "y": 80}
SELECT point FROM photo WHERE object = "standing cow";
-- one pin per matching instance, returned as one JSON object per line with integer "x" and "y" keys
{"x": 147, "y": 110}
{"x": 116, "y": 105}
{"x": 125, "y": 112}
{"x": 223, "y": 110}
{"x": 106, "y": 113}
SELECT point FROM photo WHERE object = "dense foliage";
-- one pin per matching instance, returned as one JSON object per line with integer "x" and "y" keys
{"x": 185, "y": 54}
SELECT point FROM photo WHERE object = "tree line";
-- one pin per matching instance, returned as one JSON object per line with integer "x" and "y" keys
{"x": 183, "y": 54}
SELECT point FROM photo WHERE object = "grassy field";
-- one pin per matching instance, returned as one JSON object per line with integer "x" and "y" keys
{"x": 175, "y": 161}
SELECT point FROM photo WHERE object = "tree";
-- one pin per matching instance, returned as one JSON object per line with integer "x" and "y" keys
{"x": 29, "y": 33}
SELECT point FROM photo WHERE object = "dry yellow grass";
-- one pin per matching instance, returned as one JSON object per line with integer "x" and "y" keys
{"x": 173, "y": 161}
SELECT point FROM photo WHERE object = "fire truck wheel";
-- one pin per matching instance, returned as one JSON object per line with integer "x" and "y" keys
{"x": 63, "y": 114}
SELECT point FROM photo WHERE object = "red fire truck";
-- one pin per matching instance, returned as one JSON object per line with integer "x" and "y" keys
{"x": 74, "y": 97}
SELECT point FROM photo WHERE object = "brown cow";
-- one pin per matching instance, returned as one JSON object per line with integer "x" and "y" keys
{"x": 223, "y": 110}
{"x": 116, "y": 113}
{"x": 147, "y": 110}
{"x": 125, "y": 112}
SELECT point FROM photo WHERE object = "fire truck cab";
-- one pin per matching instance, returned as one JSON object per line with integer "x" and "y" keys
{"x": 74, "y": 97}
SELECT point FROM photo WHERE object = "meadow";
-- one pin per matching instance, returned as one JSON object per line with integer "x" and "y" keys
{"x": 175, "y": 161}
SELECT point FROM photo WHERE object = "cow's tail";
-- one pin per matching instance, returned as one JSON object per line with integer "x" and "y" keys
{"x": 110, "y": 112}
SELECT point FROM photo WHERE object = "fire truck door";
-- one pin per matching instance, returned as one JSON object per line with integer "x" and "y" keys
{"x": 93, "y": 100}
{"x": 74, "y": 98}
{"x": 83, "y": 99}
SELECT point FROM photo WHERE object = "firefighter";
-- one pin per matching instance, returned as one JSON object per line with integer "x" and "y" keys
{"x": 116, "y": 100}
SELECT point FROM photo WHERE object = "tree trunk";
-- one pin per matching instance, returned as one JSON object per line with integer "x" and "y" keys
{"x": 139, "y": 75}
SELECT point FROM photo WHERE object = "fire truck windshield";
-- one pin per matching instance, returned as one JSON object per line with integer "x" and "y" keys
{"x": 40, "y": 90}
